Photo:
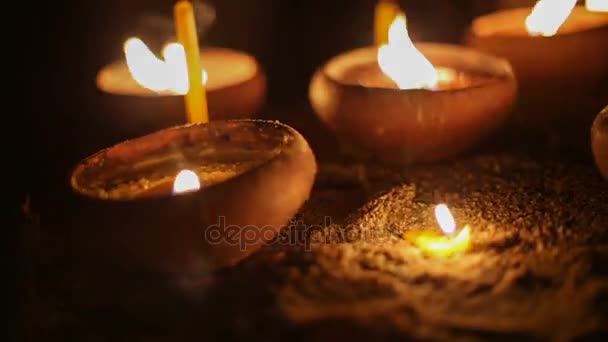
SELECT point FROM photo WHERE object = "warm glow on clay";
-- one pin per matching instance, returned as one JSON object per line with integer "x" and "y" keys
{"x": 548, "y": 16}
{"x": 444, "y": 244}
{"x": 168, "y": 75}
{"x": 597, "y": 5}
{"x": 186, "y": 181}
{"x": 402, "y": 62}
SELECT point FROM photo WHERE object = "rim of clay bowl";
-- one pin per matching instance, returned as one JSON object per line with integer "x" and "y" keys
{"x": 126, "y": 152}
{"x": 460, "y": 58}
{"x": 121, "y": 67}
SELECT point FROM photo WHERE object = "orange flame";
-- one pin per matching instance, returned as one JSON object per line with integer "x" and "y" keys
{"x": 442, "y": 245}
{"x": 597, "y": 5}
{"x": 548, "y": 16}
{"x": 186, "y": 181}
{"x": 168, "y": 75}
{"x": 402, "y": 62}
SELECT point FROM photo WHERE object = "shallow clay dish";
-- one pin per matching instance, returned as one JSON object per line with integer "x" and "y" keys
{"x": 255, "y": 175}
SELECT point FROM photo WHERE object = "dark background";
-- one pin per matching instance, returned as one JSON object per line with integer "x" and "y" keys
{"x": 58, "y": 117}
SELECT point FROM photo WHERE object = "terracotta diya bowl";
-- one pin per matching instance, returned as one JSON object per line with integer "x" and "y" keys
{"x": 352, "y": 96}
{"x": 254, "y": 175}
{"x": 562, "y": 78}
{"x": 236, "y": 88}
{"x": 599, "y": 141}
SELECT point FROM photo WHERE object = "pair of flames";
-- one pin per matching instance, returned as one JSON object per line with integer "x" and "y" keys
{"x": 188, "y": 181}
{"x": 399, "y": 59}
{"x": 410, "y": 69}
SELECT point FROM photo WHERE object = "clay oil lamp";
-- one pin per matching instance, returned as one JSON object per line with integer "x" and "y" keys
{"x": 405, "y": 103}
{"x": 599, "y": 141}
{"x": 559, "y": 53}
{"x": 190, "y": 199}
{"x": 446, "y": 243}
{"x": 143, "y": 92}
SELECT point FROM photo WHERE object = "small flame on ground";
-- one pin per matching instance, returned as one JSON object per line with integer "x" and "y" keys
{"x": 548, "y": 16}
{"x": 445, "y": 219}
{"x": 446, "y": 246}
{"x": 597, "y": 5}
{"x": 402, "y": 62}
{"x": 168, "y": 75}
{"x": 186, "y": 181}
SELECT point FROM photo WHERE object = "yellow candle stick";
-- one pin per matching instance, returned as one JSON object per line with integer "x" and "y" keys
{"x": 185, "y": 25}
{"x": 386, "y": 11}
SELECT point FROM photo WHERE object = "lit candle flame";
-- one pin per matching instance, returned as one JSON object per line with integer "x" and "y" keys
{"x": 445, "y": 219}
{"x": 548, "y": 16}
{"x": 402, "y": 62}
{"x": 444, "y": 244}
{"x": 168, "y": 75}
{"x": 597, "y": 5}
{"x": 186, "y": 181}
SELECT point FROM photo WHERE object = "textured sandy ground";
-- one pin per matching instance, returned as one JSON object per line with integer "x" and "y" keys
{"x": 537, "y": 268}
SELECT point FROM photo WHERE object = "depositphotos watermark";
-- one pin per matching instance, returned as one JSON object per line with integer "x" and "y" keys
{"x": 294, "y": 233}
